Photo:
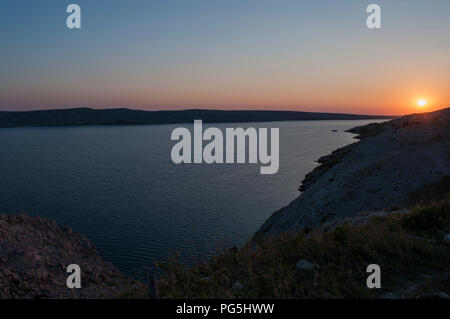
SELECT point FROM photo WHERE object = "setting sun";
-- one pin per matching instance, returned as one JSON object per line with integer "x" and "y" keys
{"x": 422, "y": 103}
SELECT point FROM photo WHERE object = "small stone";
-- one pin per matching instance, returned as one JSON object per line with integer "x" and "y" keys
{"x": 447, "y": 238}
{"x": 206, "y": 279}
{"x": 41, "y": 273}
{"x": 443, "y": 295}
{"x": 7, "y": 272}
{"x": 16, "y": 277}
{"x": 237, "y": 286}
{"x": 304, "y": 265}
{"x": 328, "y": 295}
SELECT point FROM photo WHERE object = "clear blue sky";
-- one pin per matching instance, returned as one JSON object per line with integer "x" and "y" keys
{"x": 277, "y": 54}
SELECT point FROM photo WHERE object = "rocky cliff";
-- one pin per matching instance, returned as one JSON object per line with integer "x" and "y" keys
{"x": 35, "y": 253}
{"x": 391, "y": 162}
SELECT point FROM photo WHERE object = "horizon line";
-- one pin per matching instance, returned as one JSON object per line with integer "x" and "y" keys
{"x": 198, "y": 109}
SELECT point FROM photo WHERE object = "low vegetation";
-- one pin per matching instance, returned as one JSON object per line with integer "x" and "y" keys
{"x": 411, "y": 250}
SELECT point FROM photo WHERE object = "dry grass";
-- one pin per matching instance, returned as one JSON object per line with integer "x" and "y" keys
{"x": 405, "y": 246}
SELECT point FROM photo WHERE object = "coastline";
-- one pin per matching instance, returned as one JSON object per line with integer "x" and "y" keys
{"x": 56, "y": 248}
{"x": 390, "y": 161}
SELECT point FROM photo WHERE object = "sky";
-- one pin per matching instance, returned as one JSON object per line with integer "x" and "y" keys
{"x": 226, "y": 54}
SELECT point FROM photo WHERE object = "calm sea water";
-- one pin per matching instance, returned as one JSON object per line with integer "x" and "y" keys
{"x": 118, "y": 187}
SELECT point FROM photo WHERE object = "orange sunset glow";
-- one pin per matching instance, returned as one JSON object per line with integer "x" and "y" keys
{"x": 315, "y": 57}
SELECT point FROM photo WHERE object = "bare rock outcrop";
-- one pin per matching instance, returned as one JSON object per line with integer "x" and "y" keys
{"x": 391, "y": 161}
{"x": 35, "y": 253}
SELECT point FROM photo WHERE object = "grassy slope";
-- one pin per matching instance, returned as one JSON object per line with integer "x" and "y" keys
{"x": 409, "y": 248}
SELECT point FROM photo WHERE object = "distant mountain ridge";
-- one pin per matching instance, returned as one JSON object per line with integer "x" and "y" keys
{"x": 123, "y": 116}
